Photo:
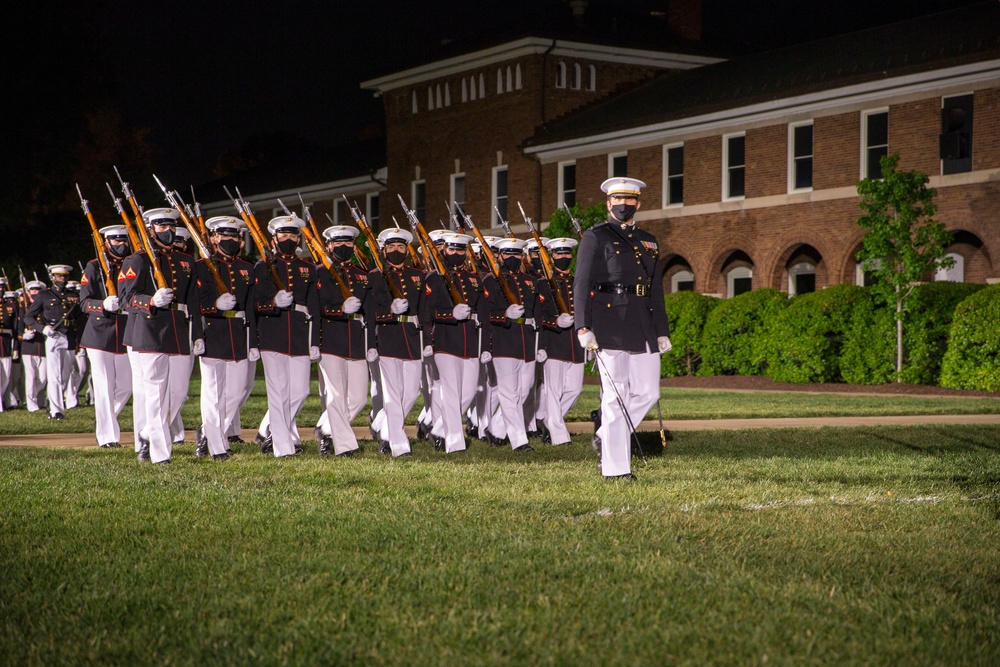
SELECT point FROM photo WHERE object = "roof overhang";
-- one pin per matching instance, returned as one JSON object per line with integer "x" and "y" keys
{"x": 355, "y": 185}
{"x": 823, "y": 102}
{"x": 530, "y": 46}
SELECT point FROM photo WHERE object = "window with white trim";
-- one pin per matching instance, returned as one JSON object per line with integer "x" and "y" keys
{"x": 617, "y": 164}
{"x": 560, "y": 74}
{"x": 499, "y": 195}
{"x": 592, "y": 84}
{"x": 457, "y": 194}
{"x": 734, "y": 166}
{"x": 738, "y": 281}
{"x": 673, "y": 175}
{"x": 956, "y": 274}
{"x": 567, "y": 184}
{"x": 800, "y": 157}
{"x": 801, "y": 278}
{"x": 517, "y": 77}
{"x": 682, "y": 281}
{"x": 418, "y": 198}
{"x": 373, "y": 210}
{"x": 875, "y": 142}
{"x": 956, "y": 134}
{"x": 577, "y": 76}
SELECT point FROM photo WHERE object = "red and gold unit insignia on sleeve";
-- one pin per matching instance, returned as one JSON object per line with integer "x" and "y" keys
{"x": 84, "y": 281}
{"x": 130, "y": 274}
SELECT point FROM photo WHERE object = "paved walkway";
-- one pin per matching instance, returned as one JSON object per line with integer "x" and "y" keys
{"x": 83, "y": 440}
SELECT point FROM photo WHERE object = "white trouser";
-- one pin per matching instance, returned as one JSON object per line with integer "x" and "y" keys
{"x": 636, "y": 375}
{"x": 287, "y": 381}
{"x": 454, "y": 392}
{"x": 77, "y": 374}
{"x": 515, "y": 379}
{"x": 59, "y": 364}
{"x": 346, "y": 394}
{"x": 538, "y": 398}
{"x": 484, "y": 403}
{"x": 563, "y": 385}
{"x": 138, "y": 396}
{"x": 400, "y": 386}
{"x": 112, "y": 375}
{"x": 5, "y": 365}
{"x": 153, "y": 384}
{"x": 181, "y": 366}
{"x": 323, "y": 421}
{"x": 34, "y": 381}
{"x": 221, "y": 392}
{"x": 246, "y": 388}
{"x": 15, "y": 385}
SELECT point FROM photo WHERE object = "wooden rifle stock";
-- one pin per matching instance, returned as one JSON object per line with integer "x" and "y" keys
{"x": 372, "y": 244}
{"x": 491, "y": 260}
{"x": 196, "y": 236}
{"x": 258, "y": 237}
{"x": 548, "y": 268}
{"x": 99, "y": 248}
{"x": 143, "y": 233}
{"x": 433, "y": 254}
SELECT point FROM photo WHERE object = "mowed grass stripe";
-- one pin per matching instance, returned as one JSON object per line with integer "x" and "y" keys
{"x": 811, "y": 546}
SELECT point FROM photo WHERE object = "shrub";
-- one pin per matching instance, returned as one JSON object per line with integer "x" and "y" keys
{"x": 687, "y": 312}
{"x": 805, "y": 342}
{"x": 734, "y": 331}
{"x": 869, "y": 355}
{"x": 973, "y": 357}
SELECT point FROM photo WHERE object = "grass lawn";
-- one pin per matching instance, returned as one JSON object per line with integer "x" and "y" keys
{"x": 825, "y": 546}
{"x": 675, "y": 404}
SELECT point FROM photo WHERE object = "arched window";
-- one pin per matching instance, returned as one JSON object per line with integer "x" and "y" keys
{"x": 465, "y": 90}
{"x": 472, "y": 87}
{"x": 499, "y": 81}
{"x": 517, "y": 76}
{"x": 510, "y": 80}
{"x": 956, "y": 274}
{"x": 561, "y": 75}
{"x": 447, "y": 95}
{"x": 430, "y": 98}
{"x": 682, "y": 281}
{"x": 437, "y": 97}
{"x": 482, "y": 85}
{"x": 577, "y": 76}
{"x": 801, "y": 278}
{"x": 413, "y": 103}
{"x": 738, "y": 281}
{"x": 593, "y": 78}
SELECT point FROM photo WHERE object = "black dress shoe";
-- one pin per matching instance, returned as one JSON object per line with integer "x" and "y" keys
{"x": 106, "y": 445}
{"x": 384, "y": 448}
{"x": 348, "y": 454}
{"x": 267, "y": 446}
{"x": 423, "y": 433}
{"x": 524, "y": 449}
{"x": 143, "y": 453}
{"x": 325, "y": 446}
{"x": 545, "y": 435}
{"x": 261, "y": 439}
{"x": 439, "y": 444}
{"x": 236, "y": 440}
{"x": 492, "y": 440}
{"x": 224, "y": 456}
{"x": 114, "y": 445}
{"x": 201, "y": 444}
{"x": 404, "y": 454}
{"x": 159, "y": 463}
{"x": 627, "y": 477}
{"x": 58, "y": 417}
{"x": 298, "y": 449}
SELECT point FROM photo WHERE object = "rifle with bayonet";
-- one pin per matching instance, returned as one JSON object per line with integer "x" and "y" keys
{"x": 525, "y": 264}
{"x": 198, "y": 217}
{"x": 133, "y": 236}
{"x": 372, "y": 243}
{"x": 243, "y": 208}
{"x": 573, "y": 221}
{"x": 146, "y": 243}
{"x": 358, "y": 257}
{"x": 317, "y": 250}
{"x": 25, "y": 297}
{"x": 548, "y": 268}
{"x": 433, "y": 254}
{"x": 491, "y": 260}
{"x": 308, "y": 217}
{"x": 173, "y": 198}
{"x": 99, "y": 247}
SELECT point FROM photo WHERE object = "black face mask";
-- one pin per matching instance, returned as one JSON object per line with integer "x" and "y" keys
{"x": 395, "y": 257}
{"x": 562, "y": 263}
{"x": 536, "y": 264}
{"x": 287, "y": 246}
{"x": 120, "y": 251}
{"x": 165, "y": 238}
{"x": 231, "y": 247}
{"x": 624, "y": 212}
{"x": 454, "y": 261}
{"x": 343, "y": 252}
{"x": 512, "y": 263}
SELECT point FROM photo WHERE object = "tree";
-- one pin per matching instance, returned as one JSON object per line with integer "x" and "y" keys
{"x": 903, "y": 243}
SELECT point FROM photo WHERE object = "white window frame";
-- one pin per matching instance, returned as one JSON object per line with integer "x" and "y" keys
{"x": 864, "y": 136}
{"x": 561, "y": 194}
{"x": 955, "y": 274}
{"x": 667, "y": 175}
{"x": 414, "y": 184}
{"x": 791, "y": 155}
{"x": 611, "y": 162}
{"x": 368, "y": 208}
{"x": 577, "y": 77}
{"x": 561, "y": 74}
{"x": 452, "y": 198}
{"x": 800, "y": 269}
{"x": 679, "y": 277}
{"x": 592, "y": 84}
{"x": 494, "y": 199}
{"x": 731, "y": 276}
{"x": 726, "y": 166}
{"x": 859, "y": 271}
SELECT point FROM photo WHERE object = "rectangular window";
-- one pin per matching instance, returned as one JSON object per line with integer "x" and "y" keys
{"x": 800, "y": 157}
{"x": 875, "y": 134}
{"x": 418, "y": 200}
{"x": 373, "y": 213}
{"x": 341, "y": 213}
{"x": 956, "y": 134}
{"x": 673, "y": 170}
{"x": 567, "y": 184}
{"x": 457, "y": 195}
{"x": 618, "y": 165}
{"x": 499, "y": 195}
{"x": 734, "y": 159}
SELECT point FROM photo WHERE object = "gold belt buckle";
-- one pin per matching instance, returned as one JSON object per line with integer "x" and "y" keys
{"x": 640, "y": 290}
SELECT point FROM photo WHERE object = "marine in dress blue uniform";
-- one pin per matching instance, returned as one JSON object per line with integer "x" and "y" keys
{"x": 9, "y": 343}
{"x": 53, "y": 314}
{"x": 620, "y": 314}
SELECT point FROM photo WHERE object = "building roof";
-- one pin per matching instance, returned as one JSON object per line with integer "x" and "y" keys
{"x": 948, "y": 39}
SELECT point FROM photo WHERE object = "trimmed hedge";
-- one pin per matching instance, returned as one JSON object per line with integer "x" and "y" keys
{"x": 973, "y": 357}
{"x": 870, "y": 348}
{"x": 687, "y": 312}
{"x": 734, "y": 332}
{"x": 805, "y": 342}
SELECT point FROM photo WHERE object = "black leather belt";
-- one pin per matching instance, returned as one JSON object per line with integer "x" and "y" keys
{"x": 621, "y": 288}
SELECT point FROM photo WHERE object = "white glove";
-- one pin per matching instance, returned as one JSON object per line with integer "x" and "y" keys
{"x": 198, "y": 347}
{"x": 372, "y": 354}
{"x": 514, "y": 311}
{"x": 313, "y": 353}
{"x": 588, "y": 340}
{"x": 253, "y": 354}
{"x": 485, "y": 358}
{"x": 399, "y": 306}
{"x": 428, "y": 350}
{"x": 162, "y": 297}
{"x": 541, "y": 356}
{"x": 663, "y": 342}
{"x": 50, "y": 332}
{"x": 283, "y": 298}
{"x": 28, "y": 334}
{"x": 461, "y": 311}
{"x": 352, "y": 304}
{"x": 565, "y": 321}
{"x": 225, "y": 302}
{"x": 111, "y": 304}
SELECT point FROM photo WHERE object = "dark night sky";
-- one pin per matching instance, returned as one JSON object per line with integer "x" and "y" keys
{"x": 205, "y": 76}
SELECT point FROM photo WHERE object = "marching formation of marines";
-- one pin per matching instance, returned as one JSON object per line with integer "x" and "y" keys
{"x": 492, "y": 332}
